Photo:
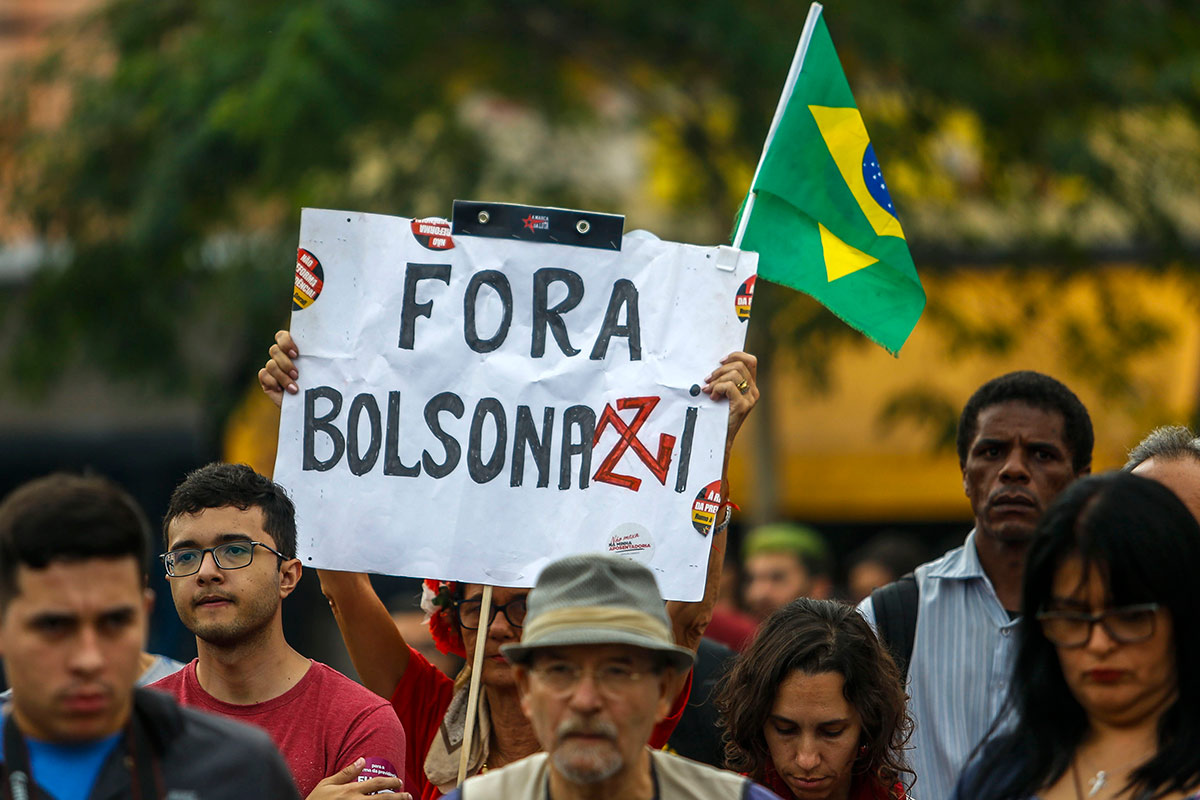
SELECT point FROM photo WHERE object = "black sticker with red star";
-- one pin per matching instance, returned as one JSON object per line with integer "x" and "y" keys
{"x": 538, "y": 224}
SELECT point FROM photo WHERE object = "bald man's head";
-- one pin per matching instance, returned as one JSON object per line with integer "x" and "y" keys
{"x": 1171, "y": 456}
{"x": 1181, "y": 475}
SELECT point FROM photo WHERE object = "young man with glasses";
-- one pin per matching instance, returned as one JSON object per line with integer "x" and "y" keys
{"x": 230, "y": 535}
{"x": 73, "y": 612}
{"x": 594, "y": 670}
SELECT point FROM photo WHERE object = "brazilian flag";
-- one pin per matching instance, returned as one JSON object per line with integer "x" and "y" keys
{"x": 820, "y": 215}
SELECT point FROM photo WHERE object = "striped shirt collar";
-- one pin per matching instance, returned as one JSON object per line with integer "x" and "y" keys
{"x": 961, "y": 563}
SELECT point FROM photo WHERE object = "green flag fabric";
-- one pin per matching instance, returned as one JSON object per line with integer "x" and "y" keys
{"x": 822, "y": 220}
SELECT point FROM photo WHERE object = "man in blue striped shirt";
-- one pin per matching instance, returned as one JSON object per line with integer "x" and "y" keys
{"x": 1022, "y": 438}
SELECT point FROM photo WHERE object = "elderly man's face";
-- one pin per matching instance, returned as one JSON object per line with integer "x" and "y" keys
{"x": 593, "y": 707}
{"x": 1180, "y": 475}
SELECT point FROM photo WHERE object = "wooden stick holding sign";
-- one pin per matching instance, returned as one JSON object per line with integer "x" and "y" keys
{"x": 481, "y": 633}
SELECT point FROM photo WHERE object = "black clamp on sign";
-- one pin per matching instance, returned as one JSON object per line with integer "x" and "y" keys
{"x": 538, "y": 224}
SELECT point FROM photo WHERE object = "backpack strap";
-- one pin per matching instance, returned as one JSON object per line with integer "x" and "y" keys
{"x": 895, "y": 607}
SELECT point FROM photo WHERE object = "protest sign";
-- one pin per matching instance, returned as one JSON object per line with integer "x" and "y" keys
{"x": 471, "y": 408}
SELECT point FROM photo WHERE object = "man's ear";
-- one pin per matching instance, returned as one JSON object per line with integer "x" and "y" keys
{"x": 521, "y": 676}
{"x": 289, "y": 576}
{"x": 147, "y": 609}
{"x": 666, "y": 679}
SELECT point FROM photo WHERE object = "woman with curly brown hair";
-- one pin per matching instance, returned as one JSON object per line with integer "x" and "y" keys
{"x": 815, "y": 708}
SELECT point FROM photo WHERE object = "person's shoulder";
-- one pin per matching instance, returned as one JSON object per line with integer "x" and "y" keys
{"x": 507, "y": 781}
{"x": 160, "y": 668}
{"x": 994, "y": 762}
{"x": 677, "y": 771}
{"x": 205, "y": 750}
{"x": 344, "y": 691}
{"x": 202, "y": 727}
{"x": 217, "y": 746}
{"x": 954, "y": 563}
{"x": 756, "y": 791}
{"x": 173, "y": 682}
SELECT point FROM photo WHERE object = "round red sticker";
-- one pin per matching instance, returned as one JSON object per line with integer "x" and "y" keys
{"x": 745, "y": 298}
{"x": 310, "y": 277}
{"x": 432, "y": 233}
{"x": 706, "y": 506}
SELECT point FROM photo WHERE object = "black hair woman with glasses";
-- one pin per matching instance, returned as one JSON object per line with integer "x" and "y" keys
{"x": 1103, "y": 690}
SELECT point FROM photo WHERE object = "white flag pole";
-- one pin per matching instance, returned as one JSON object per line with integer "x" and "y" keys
{"x": 481, "y": 634}
{"x": 810, "y": 24}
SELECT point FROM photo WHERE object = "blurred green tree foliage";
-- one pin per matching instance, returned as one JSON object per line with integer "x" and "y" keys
{"x": 1010, "y": 131}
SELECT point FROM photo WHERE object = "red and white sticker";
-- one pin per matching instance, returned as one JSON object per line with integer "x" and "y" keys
{"x": 432, "y": 233}
{"x": 631, "y": 540}
{"x": 706, "y": 506}
{"x": 744, "y": 299}
{"x": 310, "y": 277}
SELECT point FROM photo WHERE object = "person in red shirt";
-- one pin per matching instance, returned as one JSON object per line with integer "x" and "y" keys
{"x": 431, "y": 706}
{"x": 231, "y": 543}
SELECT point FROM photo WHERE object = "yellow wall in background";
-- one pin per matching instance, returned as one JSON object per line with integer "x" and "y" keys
{"x": 836, "y": 462}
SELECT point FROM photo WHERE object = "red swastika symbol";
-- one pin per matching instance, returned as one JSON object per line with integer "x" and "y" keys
{"x": 658, "y": 465}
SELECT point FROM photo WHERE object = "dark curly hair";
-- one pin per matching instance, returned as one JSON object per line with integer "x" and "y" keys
{"x": 815, "y": 636}
{"x": 1037, "y": 391}
{"x": 221, "y": 485}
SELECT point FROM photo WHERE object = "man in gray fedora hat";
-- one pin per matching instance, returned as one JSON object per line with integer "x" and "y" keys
{"x": 593, "y": 670}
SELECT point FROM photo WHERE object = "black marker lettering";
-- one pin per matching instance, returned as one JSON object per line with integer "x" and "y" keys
{"x": 496, "y": 280}
{"x": 410, "y": 309}
{"x": 313, "y": 423}
{"x": 362, "y": 464}
{"x": 392, "y": 465}
{"x": 552, "y": 317}
{"x": 526, "y": 435}
{"x": 446, "y": 401}
{"x": 685, "y": 449}
{"x": 479, "y": 470}
{"x": 624, "y": 293}
{"x": 582, "y": 419}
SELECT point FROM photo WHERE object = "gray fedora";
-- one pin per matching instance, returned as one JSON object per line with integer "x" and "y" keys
{"x": 597, "y": 599}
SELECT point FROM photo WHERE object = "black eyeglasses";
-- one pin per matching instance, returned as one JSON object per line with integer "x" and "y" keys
{"x": 613, "y": 680}
{"x": 468, "y": 612}
{"x": 1127, "y": 625}
{"x": 231, "y": 555}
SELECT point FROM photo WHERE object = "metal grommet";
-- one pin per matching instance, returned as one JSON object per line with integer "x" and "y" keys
{"x": 583, "y": 226}
{"x": 484, "y": 216}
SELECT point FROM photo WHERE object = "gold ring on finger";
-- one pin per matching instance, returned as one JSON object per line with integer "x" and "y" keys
{"x": 744, "y": 386}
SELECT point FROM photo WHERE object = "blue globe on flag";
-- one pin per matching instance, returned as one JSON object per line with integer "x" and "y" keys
{"x": 873, "y": 177}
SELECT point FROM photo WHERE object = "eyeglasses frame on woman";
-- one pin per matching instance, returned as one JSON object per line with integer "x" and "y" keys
{"x": 1103, "y": 618}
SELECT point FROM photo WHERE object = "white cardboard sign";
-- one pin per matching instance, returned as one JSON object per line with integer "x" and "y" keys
{"x": 473, "y": 408}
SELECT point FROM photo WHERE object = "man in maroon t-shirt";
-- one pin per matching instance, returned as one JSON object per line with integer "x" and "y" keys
{"x": 231, "y": 543}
